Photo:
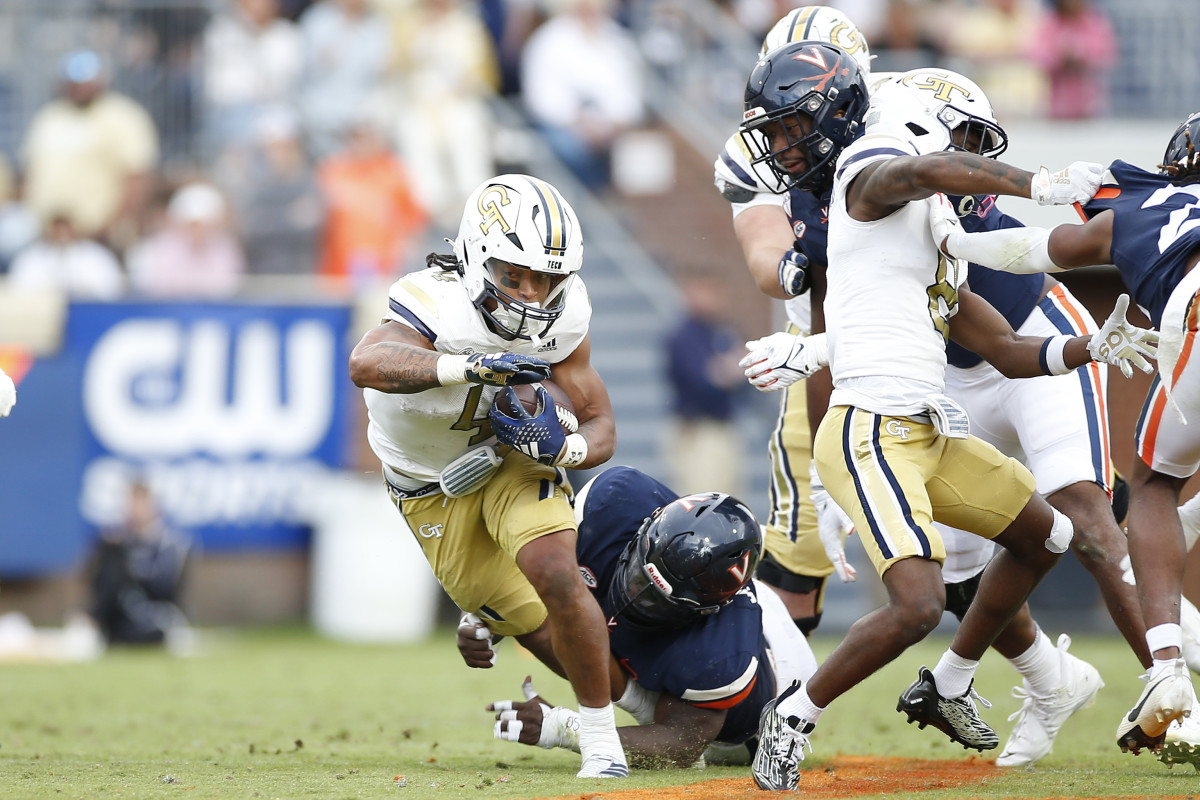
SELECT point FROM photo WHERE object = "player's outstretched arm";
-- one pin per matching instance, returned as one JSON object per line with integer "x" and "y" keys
{"x": 981, "y": 328}
{"x": 676, "y": 738}
{"x": 1024, "y": 250}
{"x": 884, "y": 186}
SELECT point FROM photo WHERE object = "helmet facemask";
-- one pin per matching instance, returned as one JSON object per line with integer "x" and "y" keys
{"x": 644, "y": 597}
{"x": 970, "y": 133}
{"x": 819, "y": 150}
{"x": 513, "y": 318}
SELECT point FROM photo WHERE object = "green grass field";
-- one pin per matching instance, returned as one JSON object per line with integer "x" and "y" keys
{"x": 283, "y": 713}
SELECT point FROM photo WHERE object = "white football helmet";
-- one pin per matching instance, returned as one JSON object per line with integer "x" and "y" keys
{"x": 522, "y": 221}
{"x": 824, "y": 24}
{"x": 925, "y": 106}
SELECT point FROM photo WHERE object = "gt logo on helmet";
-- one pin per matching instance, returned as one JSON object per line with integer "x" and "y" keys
{"x": 942, "y": 89}
{"x": 490, "y": 201}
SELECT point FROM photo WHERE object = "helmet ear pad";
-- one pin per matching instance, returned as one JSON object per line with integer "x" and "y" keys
{"x": 689, "y": 558}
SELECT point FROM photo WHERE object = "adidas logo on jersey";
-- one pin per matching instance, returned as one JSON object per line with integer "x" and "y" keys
{"x": 551, "y": 344}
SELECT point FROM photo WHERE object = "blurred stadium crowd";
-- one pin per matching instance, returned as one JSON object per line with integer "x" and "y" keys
{"x": 182, "y": 148}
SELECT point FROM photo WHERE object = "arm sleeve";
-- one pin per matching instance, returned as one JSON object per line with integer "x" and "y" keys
{"x": 1017, "y": 250}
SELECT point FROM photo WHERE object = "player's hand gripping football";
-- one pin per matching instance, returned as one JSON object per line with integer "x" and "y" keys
{"x": 779, "y": 360}
{"x": 505, "y": 369}
{"x": 1124, "y": 345}
{"x": 476, "y": 644}
{"x": 535, "y": 721}
{"x": 1077, "y": 183}
{"x": 833, "y": 526}
{"x": 540, "y": 436}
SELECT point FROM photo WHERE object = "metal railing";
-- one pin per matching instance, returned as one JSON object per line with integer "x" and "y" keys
{"x": 150, "y": 49}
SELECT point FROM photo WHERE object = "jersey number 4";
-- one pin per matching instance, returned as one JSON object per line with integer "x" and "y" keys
{"x": 467, "y": 421}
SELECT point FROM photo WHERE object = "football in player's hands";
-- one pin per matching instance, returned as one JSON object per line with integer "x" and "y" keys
{"x": 527, "y": 394}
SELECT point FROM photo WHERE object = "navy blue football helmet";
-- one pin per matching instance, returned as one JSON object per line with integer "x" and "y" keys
{"x": 1177, "y": 148}
{"x": 804, "y": 104}
{"x": 688, "y": 559}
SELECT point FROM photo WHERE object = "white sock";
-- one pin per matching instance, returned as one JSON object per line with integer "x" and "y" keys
{"x": 598, "y": 732}
{"x": 953, "y": 675}
{"x": 800, "y": 705}
{"x": 1039, "y": 665}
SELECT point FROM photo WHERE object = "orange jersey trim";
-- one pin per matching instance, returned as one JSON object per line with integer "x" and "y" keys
{"x": 730, "y": 702}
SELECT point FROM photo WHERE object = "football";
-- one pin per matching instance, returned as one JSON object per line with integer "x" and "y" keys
{"x": 527, "y": 394}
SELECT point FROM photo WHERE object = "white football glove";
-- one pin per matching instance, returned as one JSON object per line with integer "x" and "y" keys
{"x": 1124, "y": 345}
{"x": 833, "y": 526}
{"x": 560, "y": 726}
{"x": 944, "y": 224}
{"x": 1075, "y": 184}
{"x": 779, "y": 360}
{"x": 8, "y": 394}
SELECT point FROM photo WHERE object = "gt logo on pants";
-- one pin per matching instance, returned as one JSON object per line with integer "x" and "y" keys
{"x": 896, "y": 428}
{"x": 431, "y": 531}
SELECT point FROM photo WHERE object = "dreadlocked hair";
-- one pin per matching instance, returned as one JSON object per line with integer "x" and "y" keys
{"x": 1186, "y": 170}
{"x": 445, "y": 261}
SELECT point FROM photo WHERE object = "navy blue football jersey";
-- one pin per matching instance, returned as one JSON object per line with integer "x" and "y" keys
{"x": 720, "y": 661}
{"x": 809, "y": 216}
{"x": 1014, "y": 296}
{"x": 1155, "y": 227}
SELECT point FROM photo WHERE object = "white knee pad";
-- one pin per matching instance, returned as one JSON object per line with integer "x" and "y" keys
{"x": 1061, "y": 533}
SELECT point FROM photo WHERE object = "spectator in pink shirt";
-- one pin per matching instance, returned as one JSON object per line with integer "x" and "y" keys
{"x": 1075, "y": 45}
{"x": 194, "y": 256}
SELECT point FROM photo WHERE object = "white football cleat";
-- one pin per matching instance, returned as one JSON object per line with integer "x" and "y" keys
{"x": 1167, "y": 697}
{"x": 1041, "y": 717}
{"x": 600, "y": 765}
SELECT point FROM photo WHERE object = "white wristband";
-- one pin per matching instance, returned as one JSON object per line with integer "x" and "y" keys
{"x": 451, "y": 370}
{"x": 574, "y": 451}
{"x": 1053, "y": 355}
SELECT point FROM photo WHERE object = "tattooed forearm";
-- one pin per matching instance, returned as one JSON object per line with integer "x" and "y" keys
{"x": 404, "y": 369}
{"x": 967, "y": 173}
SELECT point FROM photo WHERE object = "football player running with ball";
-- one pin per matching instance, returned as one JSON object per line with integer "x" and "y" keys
{"x": 508, "y": 307}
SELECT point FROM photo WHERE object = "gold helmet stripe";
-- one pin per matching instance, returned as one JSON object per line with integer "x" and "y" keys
{"x": 556, "y": 217}
{"x": 801, "y": 24}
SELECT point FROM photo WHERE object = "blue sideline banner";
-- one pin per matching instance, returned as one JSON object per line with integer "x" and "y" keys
{"x": 234, "y": 413}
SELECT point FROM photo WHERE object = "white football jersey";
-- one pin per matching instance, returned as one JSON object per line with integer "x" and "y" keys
{"x": 744, "y": 188}
{"x": 890, "y": 296}
{"x": 421, "y": 433}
